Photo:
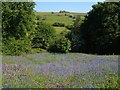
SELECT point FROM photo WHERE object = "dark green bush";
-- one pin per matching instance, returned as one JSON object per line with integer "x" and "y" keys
{"x": 16, "y": 47}
{"x": 64, "y": 11}
{"x": 71, "y": 16}
{"x": 58, "y": 24}
{"x": 43, "y": 36}
{"x": 62, "y": 45}
{"x": 76, "y": 42}
{"x": 70, "y": 27}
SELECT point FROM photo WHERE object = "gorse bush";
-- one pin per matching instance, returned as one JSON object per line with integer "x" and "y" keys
{"x": 43, "y": 36}
{"x": 62, "y": 45}
{"x": 16, "y": 47}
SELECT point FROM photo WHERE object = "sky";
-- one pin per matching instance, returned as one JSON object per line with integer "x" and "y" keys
{"x": 82, "y": 7}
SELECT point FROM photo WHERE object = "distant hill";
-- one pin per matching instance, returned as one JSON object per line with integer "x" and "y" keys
{"x": 65, "y": 18}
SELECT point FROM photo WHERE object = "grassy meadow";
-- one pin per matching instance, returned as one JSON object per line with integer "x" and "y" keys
{"x": 72, "y": 70}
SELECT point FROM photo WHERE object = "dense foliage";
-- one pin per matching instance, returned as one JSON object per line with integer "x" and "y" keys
{"x": 16, "y": 47}
{"x": 17, "y": 19}
{"x": 43, "y": 36}
{"x": 101, "y": 30}
{"x": 62, "y": 45}
{"x": 17, "y": 26}
{"x": 74, "y": 35}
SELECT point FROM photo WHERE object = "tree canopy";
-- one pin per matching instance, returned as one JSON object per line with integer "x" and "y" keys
{"x": 17, "y": 27}
{"x": 101, "y": 29}
{"x": 17, "y": 19}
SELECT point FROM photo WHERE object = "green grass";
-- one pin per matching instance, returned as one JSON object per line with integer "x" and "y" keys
{"x": 58, "y": 17}
{"x": 61, "y": 29}
{"x": 61, "y": 19}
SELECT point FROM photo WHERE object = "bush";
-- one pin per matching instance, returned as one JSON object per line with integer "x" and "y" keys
{"x": 52, "y": 12}
{"x": 58, "y": 24}
{"x": 64, "y": 11}
{"x": 70, "y": 27}
{"x": 76, "y": 42}
{"x": 43, "y": 36}
{"x": 62, "y": 45}
{"x": 72, "y": 16}
{"x": 16, "y": 47}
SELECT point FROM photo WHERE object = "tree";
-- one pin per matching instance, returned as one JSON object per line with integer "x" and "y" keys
{"x": 44, "y": 35}
{"x": 17, "y": 19}
{"x": 17, "y": 27}
{"x": 101, "y": 30}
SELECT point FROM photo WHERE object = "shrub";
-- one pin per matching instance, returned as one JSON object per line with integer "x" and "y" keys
{"x": 58, "y": 24}
{"x": 70, "y": 27}
{"x": 43, "y": 36}
{"x": 52, "y": 12}
{"x": 64, "y": 11}
{"x": 16, "y": 47}
{"x": 62, "y": 45}
{"x": 76, "y": 42}
{"x": 71, "y": 16}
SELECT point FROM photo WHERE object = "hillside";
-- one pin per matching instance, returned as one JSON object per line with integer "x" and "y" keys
{"x": 65, "y": 18}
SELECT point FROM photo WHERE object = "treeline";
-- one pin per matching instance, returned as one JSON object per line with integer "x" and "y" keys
{"x": 98, "y": 33}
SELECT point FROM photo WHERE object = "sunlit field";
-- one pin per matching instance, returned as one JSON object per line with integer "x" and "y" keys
{"x": 72, "y": 70}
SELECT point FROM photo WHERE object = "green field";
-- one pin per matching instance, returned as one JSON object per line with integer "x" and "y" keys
{"x": 61, "y": 29}
{"x": 60, "y": 18}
